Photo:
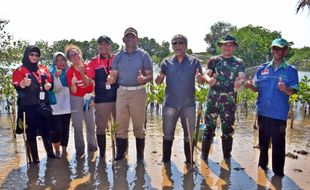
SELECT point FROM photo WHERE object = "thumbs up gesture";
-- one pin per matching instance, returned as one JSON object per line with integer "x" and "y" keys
{"x": 73, "y": 80}
{"x": 81, "y": 69}
{"x": 110, "y": 80}
{"x": 27, "y": 80}
{"x": 249, "y": 83}
{"x": 238, "y": 82}
{"x": 281, "y": 85}
{"x": 58, "y": 73}
{"x": 160, "y": 77}
{"x": 199, "y": 77}
{"x": 47, "y": 85}
{"x": 212, "y": 80}
{"x": 140, "y": 78}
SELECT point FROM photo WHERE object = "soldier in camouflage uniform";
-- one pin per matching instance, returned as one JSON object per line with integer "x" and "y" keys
{"x": 224, "y": 74}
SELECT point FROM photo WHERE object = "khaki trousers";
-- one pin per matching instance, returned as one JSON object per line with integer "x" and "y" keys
{"x": 130, "y": 104}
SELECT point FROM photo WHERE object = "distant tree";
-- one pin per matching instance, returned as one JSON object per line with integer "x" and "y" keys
{"x": 149, "y": 45}
{"x": 5, "y": 40}
{"x": 156, "y": 51}
{"x": 254, "y": 44}
{"x": 10, "y": 54}
{"x": 46, "y": 52}
{"x": 218, "y": 30}
{"x": 302, "y": 4}
{"x": 300, "y": 56}
{"x": 189, "y": 51}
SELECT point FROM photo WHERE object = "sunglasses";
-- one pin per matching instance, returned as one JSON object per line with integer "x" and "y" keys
{"x": 34, "y": 54}
{"x": 177, "y": 42}
{"x": 73, "y": 54}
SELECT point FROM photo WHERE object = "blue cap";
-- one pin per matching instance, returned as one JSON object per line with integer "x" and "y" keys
{"x": 279, "y": 42}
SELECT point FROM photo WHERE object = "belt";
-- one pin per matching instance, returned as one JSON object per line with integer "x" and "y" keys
{"x": 129, "y": 88}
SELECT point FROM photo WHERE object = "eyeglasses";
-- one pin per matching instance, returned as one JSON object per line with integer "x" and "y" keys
{"x": 34, "y": 54}
{"x": 177, "y": 42}
{"x": 73, "y": 54}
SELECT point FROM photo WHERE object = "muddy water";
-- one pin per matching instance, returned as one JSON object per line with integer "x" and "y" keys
{"x": 90, "y": 172}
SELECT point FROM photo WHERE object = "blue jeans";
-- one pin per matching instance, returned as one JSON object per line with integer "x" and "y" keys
{"x": 170, "y": 118}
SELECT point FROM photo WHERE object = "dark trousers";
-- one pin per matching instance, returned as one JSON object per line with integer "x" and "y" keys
{"x": 60, "y": 129}
{"x": 36, "y": 124}
{"x": 274, "y": 130}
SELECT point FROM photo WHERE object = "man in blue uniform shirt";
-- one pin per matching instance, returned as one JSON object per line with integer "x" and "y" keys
{"x": 274, "y": 81}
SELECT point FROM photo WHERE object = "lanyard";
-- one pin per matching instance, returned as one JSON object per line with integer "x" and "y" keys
{"x": 106, "y": 68}
{"x": 38, "y": 77}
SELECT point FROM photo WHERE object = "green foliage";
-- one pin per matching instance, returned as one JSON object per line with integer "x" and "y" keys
{"x": 201, "y": 92}
{"x": 218, "y": 30}
{"x": 189, "y": 51}
{"x": 154, "y": 49}
{"x": 254, "y": 44}
{"x": 300, "y": 57}
{"x": 304, "y": 90}
{"x": 246, "y": 97}
{"x": 155, "y": 93}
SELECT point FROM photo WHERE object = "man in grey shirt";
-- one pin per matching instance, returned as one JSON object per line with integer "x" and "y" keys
{"x": 180, "y": 71}
{"x": 132, "y": 68}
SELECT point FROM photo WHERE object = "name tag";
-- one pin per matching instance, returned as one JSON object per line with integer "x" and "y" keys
{"x": 107, "y": 86}
{"x": 42, "y": 95}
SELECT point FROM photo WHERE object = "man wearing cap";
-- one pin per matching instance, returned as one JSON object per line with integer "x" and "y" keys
{"x": 274, "y": 81}
{"x": 224, "y": 74}
{"x": 132, "y": 68}
{"x": 98, "y": 69}
{"x": 180, "y": 71}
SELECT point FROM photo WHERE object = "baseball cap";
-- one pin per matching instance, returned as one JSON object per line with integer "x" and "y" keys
{"x": 228, "y": 38}
{"x": 104, "y": 38}
{"x": 279, "y": 42}
{"x": 131, "y": 30}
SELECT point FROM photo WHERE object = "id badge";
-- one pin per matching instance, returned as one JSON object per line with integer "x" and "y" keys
{"x": 107, "y": 86}
{"x": 42, "y": 95}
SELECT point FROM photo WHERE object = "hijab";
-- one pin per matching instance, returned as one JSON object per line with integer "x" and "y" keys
{"x": 32, "y": 67}
{"x": 53, "y": 69}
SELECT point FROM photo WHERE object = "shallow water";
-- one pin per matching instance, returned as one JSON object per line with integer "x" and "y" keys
{"x": 90, "y": 172}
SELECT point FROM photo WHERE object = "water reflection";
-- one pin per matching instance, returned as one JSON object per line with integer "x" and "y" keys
{"x": 120, "y": 175}
{"x": 90, "y": 172}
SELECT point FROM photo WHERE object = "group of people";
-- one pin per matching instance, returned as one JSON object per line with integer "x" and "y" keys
{"x": 112, "y": 87}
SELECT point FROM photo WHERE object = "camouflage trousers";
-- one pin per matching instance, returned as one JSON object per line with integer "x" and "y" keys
{"x": 222, "y": 104}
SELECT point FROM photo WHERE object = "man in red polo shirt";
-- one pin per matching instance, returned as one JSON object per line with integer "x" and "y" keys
{"x": 98, "y": 69}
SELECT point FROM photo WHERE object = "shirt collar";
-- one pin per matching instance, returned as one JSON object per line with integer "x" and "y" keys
{"x": 283, "y": 63}
{"x": 125, "y": 50}
{"x": 175, "y": 59}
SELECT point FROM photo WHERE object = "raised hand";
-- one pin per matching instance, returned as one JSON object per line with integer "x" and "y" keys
{"x": 281, "y": 85}
{"x": 47, "y": 85}
{"x": 140, "y": 78}
{"x": 81, "y": 68}
{"x": 212, "y": 80}
{"x": 110, "y": 80}
{"x": 249, "y": 83}
{"x": 199, "y": 76}
{"x": 58, "y": 73}
{"x": 238, "y": 82}
{"x": 27, "y": 80}
{"x": 160, "y": 77}
{"x": 73, "y": 80}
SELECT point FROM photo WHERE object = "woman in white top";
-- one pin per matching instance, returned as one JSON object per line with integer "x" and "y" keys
{"x": 60, "y": 100}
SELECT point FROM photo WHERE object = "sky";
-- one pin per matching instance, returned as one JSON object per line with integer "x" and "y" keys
{"x": 53, "y": 20}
